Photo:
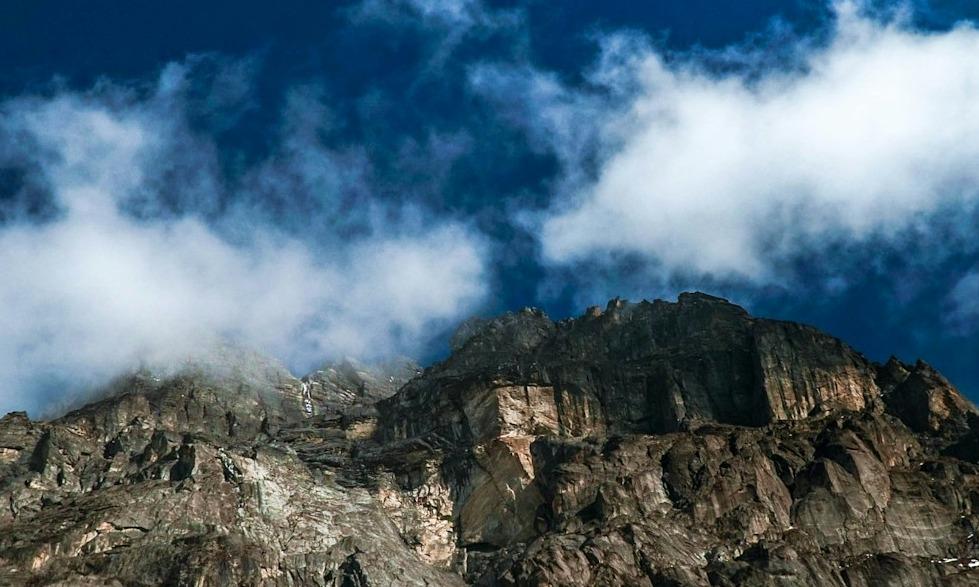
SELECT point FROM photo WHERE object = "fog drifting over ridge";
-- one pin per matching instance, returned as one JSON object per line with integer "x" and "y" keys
{"x": 118, "y": 276}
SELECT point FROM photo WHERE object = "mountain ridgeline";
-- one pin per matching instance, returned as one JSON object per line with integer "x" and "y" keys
{"x": 655, "y": 443}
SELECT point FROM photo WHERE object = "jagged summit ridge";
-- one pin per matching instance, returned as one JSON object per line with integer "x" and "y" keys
{"x": 650, "y": 443}
{"x": 649, "y": 367}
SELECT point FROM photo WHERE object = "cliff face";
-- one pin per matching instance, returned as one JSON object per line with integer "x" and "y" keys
{"x": 647, "y": 368}
{"x": 655, "y": 443}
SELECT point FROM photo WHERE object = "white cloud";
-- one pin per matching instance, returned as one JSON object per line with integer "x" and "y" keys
{"x": 98, "y": 289}
{"x": 731, "y": 175}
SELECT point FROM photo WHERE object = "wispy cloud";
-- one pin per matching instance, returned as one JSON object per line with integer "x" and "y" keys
{"x": 144, "y": 259}
{"x": 864, "y": 139}
{"x": 445, "y": 25}
{"x": 462, "y": 16}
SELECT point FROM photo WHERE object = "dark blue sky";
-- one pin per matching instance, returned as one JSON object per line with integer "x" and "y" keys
{"x": 398, "y": 87}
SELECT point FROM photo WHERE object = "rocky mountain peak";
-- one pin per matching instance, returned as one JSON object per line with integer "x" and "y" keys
{"x": 348, "y": 384}
{"x": 648, "y": 443}
{"x": 511, "y": 334}
{"x": 648, "y": 367}
{"x": 923, "y": 399}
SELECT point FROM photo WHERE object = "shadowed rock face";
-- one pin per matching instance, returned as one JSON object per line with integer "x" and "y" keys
{"x": 655, "y": 443}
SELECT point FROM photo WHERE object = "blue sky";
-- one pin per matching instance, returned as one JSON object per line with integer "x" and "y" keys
{"x": 325, "y": 179}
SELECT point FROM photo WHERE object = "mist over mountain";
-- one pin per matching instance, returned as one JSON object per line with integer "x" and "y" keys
{"x": 293, "y": 294}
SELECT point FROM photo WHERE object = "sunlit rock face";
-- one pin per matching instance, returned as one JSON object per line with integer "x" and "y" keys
{"x": 644, "y": 368}
{"x": 654, "y": 443}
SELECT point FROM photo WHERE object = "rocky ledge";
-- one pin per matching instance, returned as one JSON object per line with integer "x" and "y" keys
{"x": 656, "y": 443}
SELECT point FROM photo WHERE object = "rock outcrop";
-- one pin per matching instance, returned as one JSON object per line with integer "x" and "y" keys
{"x": 656, "y": 443}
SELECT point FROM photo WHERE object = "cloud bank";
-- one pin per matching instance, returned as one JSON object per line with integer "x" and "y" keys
{"x": 867, "y": 139}
{"x": 145, "y": 259}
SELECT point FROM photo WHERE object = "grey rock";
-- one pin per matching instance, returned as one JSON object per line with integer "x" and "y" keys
{"x": 655, "y": 443}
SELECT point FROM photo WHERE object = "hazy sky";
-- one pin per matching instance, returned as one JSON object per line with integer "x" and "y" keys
{"x": 318, "y": 179}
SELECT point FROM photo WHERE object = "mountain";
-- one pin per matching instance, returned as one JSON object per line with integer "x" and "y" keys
{"x": 654, "y": 443}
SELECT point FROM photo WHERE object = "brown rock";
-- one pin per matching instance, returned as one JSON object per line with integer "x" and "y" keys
{"x": 655, "y": 443}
